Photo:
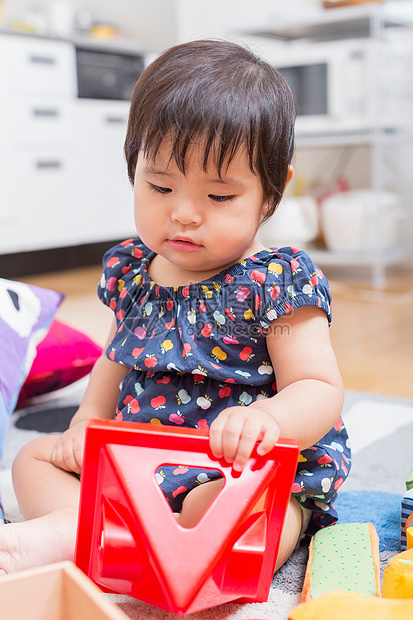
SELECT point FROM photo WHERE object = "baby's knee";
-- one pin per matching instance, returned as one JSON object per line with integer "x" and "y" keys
{"x": 290, "y": 533}
{"x": 197, "y": 501}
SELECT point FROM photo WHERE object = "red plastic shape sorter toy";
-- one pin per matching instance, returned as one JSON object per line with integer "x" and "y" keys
{"x": 129, "y": 542}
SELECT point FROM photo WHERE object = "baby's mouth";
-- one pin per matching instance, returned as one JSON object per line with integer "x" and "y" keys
{"x": 183, "y": 244}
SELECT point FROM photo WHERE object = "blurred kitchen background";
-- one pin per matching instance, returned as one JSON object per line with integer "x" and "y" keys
{"x": 67, "y": 69}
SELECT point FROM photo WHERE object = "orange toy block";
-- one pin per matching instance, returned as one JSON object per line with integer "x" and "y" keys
{"x": 398, "y": 576}
{"x": 129, "y": 541}
{"x": 409, "y": 537}
{"x": 343, "y": 605}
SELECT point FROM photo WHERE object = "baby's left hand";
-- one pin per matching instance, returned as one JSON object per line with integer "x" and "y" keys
{"x": 236, "y": 430}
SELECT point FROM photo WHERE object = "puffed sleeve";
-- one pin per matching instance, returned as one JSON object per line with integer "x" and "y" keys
{"x": 287, "y": 281}
{"x": 120, "y": 264}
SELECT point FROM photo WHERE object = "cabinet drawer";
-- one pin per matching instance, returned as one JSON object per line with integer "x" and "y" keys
{"x": 30, "y": 65}
{"x": 40, "y": 192}
{"x": 41, "y": 122}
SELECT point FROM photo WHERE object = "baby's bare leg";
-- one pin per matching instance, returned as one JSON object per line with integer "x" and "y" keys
{"x": 291, "y": 532}
{"x": 197, "y": 501}
{"x": 48, "y": 498}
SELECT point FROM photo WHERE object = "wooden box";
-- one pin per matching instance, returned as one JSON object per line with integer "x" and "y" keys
{"x": 54, "y": 592}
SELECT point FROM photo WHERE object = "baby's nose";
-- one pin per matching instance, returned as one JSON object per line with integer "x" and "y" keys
{"x": 186, "y": 212}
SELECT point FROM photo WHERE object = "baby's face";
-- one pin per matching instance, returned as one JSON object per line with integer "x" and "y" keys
{"x": 199, "y": 222}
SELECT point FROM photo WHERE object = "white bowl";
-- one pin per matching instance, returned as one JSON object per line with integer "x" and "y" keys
{"x": 360, "y": 220}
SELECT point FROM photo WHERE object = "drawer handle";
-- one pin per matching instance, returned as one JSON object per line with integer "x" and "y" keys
{"x": 43, "y": 112}
{"x": 53, "y": 164}
{"x": 115, "y": 120}
{"x": 42, "y": 60}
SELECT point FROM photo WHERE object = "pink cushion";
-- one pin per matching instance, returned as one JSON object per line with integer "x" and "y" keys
{"x": 64, "y": 356}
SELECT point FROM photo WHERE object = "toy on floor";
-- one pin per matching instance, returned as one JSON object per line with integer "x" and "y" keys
{"x": 57, "y": 591}
{"x": 328, "y": 594}
{"x": 406, "y": 512}
{"x": 343, "y": 573}
{"x": 409, "y": 538}
{"x": 343, "y": 557}
{"x": 342, "y": 605}
{"x": 129, "y": 541}
{"x": 398, "y": 576}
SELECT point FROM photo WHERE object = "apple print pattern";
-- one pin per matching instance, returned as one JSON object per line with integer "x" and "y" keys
{"x": 194, "y": 350}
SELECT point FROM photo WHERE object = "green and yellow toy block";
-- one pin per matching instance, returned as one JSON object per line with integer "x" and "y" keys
{"x": 343, "y": 557}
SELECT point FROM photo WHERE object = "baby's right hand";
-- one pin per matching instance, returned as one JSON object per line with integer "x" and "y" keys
{"x": 68, "y": 451}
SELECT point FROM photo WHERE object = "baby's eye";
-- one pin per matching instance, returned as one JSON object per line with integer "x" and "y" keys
{"x": 221, "y": 198}
{"x": 159, "y": 190}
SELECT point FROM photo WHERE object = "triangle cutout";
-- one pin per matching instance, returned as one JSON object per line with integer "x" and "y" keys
{"x": 198, "y": 477}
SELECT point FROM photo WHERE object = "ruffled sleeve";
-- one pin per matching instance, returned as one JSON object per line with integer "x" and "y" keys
{"x": 120, "y": 266}
{"x": 287, "y": 279}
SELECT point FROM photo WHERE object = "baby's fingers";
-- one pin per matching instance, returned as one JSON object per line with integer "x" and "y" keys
{"x": 56, "y": 456}
{"x": 215, "y": 434}
{"x": 78, "y": 449}
{"x": 248, "y": 439}
{"x": 271, "y": 434}
{"x": 63, "y": 456}
{"x": 267, "y": 434}
{"x": 233, "y": 435}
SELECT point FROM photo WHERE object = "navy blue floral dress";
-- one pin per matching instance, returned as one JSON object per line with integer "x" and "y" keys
{"x": 195, "y": 350}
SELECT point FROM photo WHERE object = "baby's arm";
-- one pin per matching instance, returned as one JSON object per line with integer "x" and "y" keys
{"x": 309, "y": 399}
{"x": 99, "y": 401}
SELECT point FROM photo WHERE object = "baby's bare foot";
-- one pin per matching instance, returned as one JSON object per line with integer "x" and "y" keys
{"x": 37, "y": 542}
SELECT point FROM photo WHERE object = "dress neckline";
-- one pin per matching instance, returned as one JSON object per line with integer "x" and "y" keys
{"x": 222, "y": 278}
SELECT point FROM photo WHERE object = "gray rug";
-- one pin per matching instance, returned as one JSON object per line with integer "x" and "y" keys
{"x": 381, "y": 431}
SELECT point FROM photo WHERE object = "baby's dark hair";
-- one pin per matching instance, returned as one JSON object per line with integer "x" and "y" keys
{"x": 223, "y": 97}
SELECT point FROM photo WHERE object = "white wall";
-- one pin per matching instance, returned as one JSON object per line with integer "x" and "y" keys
{"x": 215, "y": 18}
{"x": 161, "y": 23}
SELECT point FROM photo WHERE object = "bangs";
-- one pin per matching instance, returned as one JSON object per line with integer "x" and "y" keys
{"x": 217, "y": 142}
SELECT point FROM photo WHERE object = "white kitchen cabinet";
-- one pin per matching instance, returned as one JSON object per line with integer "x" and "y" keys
{"x": 39, "y": 200}
{"x": 37, "y": 150}
{"x": 34, "y": 66}
{"x": 63, "y": 178}
{"x": 37, "y": 122}
{"x": 105, "y": 196}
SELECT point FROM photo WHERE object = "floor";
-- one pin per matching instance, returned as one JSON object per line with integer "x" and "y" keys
{"x": 372, "y": 331}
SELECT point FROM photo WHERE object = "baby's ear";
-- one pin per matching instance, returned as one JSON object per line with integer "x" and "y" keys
{"x": 290, "y": 175}
{"x": 265, "y": 209}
